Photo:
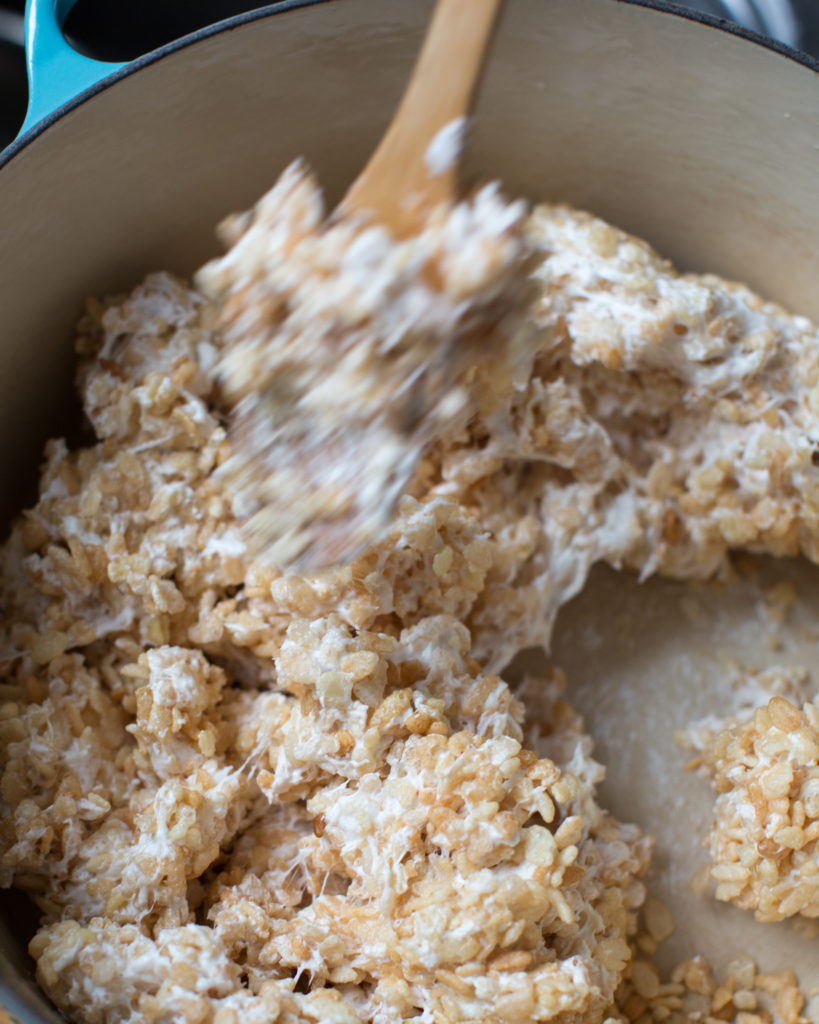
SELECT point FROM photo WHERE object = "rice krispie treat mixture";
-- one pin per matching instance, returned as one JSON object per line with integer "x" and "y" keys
{"x": 241, "y": 795}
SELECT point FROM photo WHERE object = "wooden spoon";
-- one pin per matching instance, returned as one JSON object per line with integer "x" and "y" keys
{"x": 398, "y": 185}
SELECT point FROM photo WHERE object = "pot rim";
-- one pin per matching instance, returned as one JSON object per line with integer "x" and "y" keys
{"x": 666, "y": 6}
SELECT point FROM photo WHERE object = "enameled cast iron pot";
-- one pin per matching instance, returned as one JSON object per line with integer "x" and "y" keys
{"x": 696, "y": 136}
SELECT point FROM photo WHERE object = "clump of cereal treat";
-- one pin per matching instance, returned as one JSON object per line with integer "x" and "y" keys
{"x": 348, "y": 350}
{"x": 240, "y": 794}
{"x": 764, "y": 842}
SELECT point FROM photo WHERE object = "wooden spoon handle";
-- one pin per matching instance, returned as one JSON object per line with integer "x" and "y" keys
{"x": 398, "y": 185}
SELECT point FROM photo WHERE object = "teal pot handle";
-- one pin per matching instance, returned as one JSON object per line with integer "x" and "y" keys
{"x": 57, "y": 74}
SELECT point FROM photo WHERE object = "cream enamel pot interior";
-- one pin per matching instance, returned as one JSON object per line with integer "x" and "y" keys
{"x": 702, "y": 140}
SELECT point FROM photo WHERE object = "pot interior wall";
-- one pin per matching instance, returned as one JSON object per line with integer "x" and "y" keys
{"x": 696, "y": 139}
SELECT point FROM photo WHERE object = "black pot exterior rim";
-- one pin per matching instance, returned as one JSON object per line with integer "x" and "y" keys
{"x": 226, "y": 25}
